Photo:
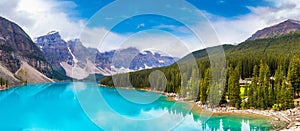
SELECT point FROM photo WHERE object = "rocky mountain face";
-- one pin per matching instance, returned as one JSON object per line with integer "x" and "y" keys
{"x": 17, "y": 49}
{"x": 140, "y": 60}
{"x": 69, "y": 58}
{"x": 73, "y": 56}
{"x": 274, "y": 51}
{"x": 276, "y": 30}
{"x": 55, "y": 49}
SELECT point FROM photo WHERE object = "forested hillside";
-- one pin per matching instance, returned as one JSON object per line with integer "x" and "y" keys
{"x": 273, "y": 65}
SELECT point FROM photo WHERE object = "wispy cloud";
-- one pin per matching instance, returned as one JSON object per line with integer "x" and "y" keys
{"x": 140, "y": 25}
{"x": 156, "y": 40}
{"x": 238, "y": 29}
{"x": 46, "y": 15}
{"x": 101, "y": 38}
{"x": 38, "y": 17}
{"x": 173, "y": 28}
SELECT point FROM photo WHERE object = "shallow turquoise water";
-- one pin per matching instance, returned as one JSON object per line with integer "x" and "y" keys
{"x": 84, "y": 106}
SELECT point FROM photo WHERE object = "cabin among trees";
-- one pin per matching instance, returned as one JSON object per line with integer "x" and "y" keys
{"x": 244, "y": 82}
{"x": 273, "y": 84}
{"x": 259, "y": 60}
{"x": 278, "y": 91}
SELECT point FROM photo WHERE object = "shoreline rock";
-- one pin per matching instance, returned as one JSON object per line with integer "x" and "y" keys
{"x": 278, "y": 116}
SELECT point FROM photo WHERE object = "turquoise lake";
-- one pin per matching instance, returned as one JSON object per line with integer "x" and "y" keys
{"x": 83, "y": 106}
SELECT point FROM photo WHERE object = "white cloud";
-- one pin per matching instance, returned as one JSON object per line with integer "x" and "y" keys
{"x": 38, "y": 17}
{"x": 156, "y": 40}
{"x": 238, "y": 29}
{"x": 140, "y": 25}
{"x": 101, "y": 38}
{"x": 173, "y": 28}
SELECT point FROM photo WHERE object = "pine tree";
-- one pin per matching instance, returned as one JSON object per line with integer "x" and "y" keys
{"x": 184, "y": 84}
{"x": 234, "y": 88}
{"x": 194, "y": 83}
{"x": 229, "y": 81}
{"x": 250, "y": 95}
{"x": 253, "y": 91}
{"x": 283, "y": 102}
{"x": 271, "y": 97}
{"x": 288, "y": 96}
{"x": 246, "y": 96}
{"x": 264, "y": 83}
{"x": 279, "y": 77}
{"x": 205, "y": 86}
{"x": 294, "y": 73}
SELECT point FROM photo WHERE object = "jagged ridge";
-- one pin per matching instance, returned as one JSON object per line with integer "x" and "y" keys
{"x": 17, "y": 49}
{"x": 276, "y": 30}
{"x": 73, "y": 55}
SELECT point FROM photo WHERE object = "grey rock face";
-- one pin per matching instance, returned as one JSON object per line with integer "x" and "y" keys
{"x": 57, "y": 50}
{"x": 16, "y": 45}
{"x": 276, "y": 30}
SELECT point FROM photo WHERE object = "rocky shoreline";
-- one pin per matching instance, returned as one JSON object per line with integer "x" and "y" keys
{"x": 290, "y": 118}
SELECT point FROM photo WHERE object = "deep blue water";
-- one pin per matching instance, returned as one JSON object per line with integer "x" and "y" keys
{"x": 85, "y": 106}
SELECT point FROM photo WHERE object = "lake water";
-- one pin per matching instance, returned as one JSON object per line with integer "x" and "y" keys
{"x": 85, "y": 106}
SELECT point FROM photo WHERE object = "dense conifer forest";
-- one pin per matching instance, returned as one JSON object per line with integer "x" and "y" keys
{"x": 271, "y": 65}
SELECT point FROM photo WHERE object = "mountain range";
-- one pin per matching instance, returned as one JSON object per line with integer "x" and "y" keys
{"x": 50, "y": 57}
{"x": 264, "y": 46}
{"x": 72, "y": 55}
{"x": 277, "y": 30}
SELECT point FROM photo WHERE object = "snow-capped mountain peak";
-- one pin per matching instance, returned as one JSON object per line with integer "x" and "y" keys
{"x": 64, "y": 55}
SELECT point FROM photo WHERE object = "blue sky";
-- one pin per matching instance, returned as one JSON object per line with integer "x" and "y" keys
{"x": 223, "y": 8}
{"x": 228, "y": 8}
{"x": 216, "y": 21}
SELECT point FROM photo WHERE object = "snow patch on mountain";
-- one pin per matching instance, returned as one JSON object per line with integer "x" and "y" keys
{"x": 74, "y": 58}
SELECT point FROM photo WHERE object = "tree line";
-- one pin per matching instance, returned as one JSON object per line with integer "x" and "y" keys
{"x": 272, "y": 64}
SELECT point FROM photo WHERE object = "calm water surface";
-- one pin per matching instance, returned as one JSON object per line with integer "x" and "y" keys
{"x": 84, "y": 106}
